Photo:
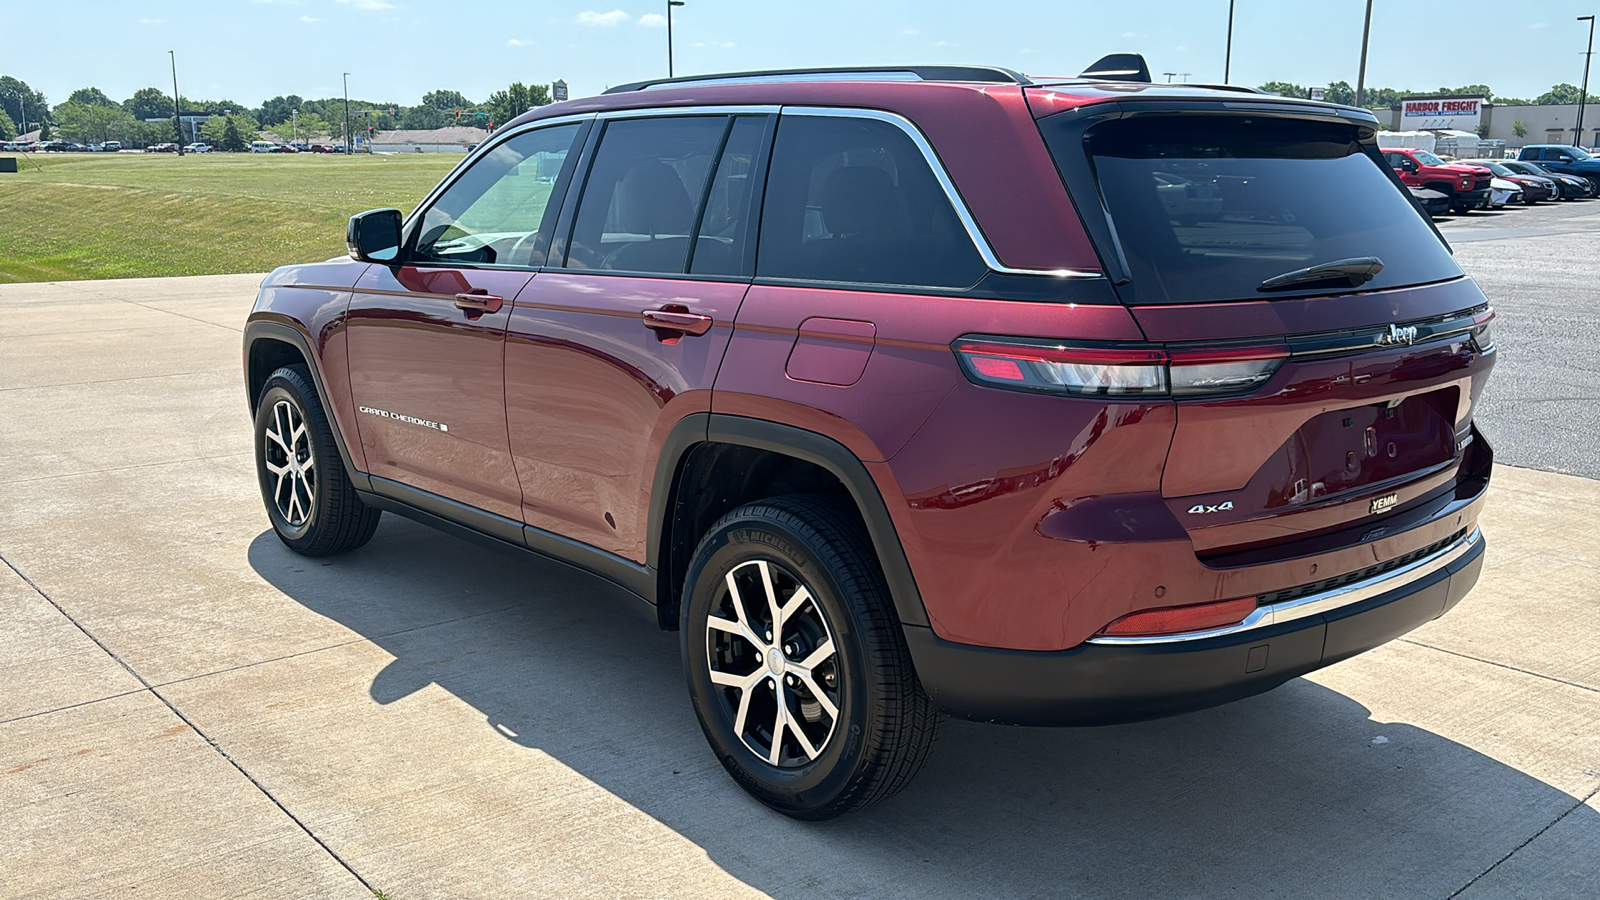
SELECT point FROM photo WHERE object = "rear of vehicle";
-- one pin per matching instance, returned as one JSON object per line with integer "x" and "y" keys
{"x": 1276, "y": 470}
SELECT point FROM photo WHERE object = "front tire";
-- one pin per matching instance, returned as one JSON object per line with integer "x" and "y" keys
{"x": 313, "y": 507}
{"x": 797, "y": 667}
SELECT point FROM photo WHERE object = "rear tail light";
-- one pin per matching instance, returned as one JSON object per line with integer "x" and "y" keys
{"x": 1121, "y": 371}
{"x": 1483, "y": 332}
{"x": 1181, "y": 619}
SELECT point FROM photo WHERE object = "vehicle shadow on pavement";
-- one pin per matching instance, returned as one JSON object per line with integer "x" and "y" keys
{"x": 1296, "y": 792}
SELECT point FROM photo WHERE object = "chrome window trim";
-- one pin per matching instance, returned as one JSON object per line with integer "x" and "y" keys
{"x": 1316, "y": 604}
{"x": 954, "y": 196}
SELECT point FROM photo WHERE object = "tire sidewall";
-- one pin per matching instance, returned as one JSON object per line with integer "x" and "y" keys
{"x": 280, "y": 388}
{"x": 798, "y": 789}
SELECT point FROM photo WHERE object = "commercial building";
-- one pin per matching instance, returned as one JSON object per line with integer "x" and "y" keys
{"x": 456, "y": 139}
{"x": 1543, "y": 124}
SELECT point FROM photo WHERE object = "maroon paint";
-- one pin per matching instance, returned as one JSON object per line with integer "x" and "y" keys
{"x": 592, "y": 393}
{"x": 831, "y": 351}
{"x": 415, "y": 353}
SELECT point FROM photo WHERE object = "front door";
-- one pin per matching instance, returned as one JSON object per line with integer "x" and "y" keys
{"x": 622, "y": 336}
{"x": 427, "y": 335}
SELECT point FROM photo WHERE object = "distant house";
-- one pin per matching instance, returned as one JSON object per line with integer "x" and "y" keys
{"x": 456, "y": 139}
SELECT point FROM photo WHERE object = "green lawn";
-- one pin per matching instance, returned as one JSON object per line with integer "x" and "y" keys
{"x": 126, "y": 215}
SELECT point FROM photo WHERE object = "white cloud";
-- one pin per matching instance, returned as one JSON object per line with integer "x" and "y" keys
{"x": 369, "y": 4}
{"x": 309, "y": 19}
{"x": 603, "y": 20}
{"x": 722, "y": 45}
{"x": 653, "y": 20}
{"x": 149, "y": 21}
{"x": 1026, "y": 50}
{"x": 515, "y": 42}
{"x": 943, "y": 44}
{"x": 1129, "y": 34}
{"x": 1180, "y": 48}
{"x": 908, "y": 31}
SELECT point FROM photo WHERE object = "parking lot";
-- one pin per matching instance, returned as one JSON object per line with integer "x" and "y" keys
{"x": 187, "y": 709}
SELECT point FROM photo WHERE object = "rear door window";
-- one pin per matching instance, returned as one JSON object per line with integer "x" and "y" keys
{"x": 853, "y": 200}
{"x": 644, "y": 192}
{"x": 1209, "y": 209}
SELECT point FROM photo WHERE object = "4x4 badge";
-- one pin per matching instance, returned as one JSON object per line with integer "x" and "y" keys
{"x": 1200, "y": 509}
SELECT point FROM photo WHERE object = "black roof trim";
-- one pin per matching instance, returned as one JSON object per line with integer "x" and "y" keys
{"x": 979, "y": 74}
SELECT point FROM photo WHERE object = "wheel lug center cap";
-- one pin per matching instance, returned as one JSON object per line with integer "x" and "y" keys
{"x": 775, "y": 661}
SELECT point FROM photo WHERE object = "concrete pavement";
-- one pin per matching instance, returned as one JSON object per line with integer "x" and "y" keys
{"x": 189, "y": 710}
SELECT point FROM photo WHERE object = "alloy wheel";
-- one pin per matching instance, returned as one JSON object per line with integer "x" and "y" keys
{"x": 773, "y": 662}
{"x": 286, "y": 449}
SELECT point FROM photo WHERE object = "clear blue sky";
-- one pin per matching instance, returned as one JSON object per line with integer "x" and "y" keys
{"x": 249, "y": 50}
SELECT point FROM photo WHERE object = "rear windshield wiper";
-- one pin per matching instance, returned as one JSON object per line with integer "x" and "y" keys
{"x": 1354, "y": 272}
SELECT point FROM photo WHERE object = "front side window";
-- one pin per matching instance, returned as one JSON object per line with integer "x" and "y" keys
{"x": 1216, "y": 209}
{"x": 643, "y": 194}
{"x": 853, "y": 200}
{"x": 498, "y": 212}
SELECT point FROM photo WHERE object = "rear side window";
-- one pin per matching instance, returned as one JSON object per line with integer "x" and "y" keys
{"x": 643, "y": 194}
{"x": 1208, "y": 209}
{"x": 853, "y": 200}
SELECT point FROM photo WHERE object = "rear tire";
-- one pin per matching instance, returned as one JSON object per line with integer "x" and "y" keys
{"x": 313, "y": 507}
{"x": 815, "y": 709}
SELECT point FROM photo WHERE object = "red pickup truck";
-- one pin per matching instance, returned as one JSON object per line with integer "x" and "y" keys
{"x": 1467, "y": 186}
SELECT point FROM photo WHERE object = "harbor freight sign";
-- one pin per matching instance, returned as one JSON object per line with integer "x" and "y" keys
{"x": 1441, "y": 113}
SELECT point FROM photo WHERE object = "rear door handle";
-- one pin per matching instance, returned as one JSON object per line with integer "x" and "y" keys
{"x": 479, "y": 300}
{"x": 669, "y": 323}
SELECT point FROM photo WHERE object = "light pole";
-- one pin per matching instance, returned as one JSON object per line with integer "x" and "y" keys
{"x": 177, "y": 113}
{"x": 670, "y": 5}
{"x": 1583, "y": 92}
{"x": 1227, "y": 60}
{"x": 294, "y": 125}
{"x": 347, "y": 114}
{"x": 1361, "y": 76}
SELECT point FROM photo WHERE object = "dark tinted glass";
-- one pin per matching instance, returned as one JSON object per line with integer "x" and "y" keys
{"x": 498, "y": 212}
{"x": 643, "y": 193}
{"x": 720, "y": 245}
{"x": 1207, "y": 209}
{"x": 853, "y": 200}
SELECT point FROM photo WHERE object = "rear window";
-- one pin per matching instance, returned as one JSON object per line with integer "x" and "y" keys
{"x": 1208, "y": 209}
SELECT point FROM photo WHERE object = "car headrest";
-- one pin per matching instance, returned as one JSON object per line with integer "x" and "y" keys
{"x": 652, "y": 200}
{"x": 859, "y": 200}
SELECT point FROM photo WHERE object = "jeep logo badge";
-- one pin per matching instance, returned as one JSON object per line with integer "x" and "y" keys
{"x": 1385, "y": 503}
{"x": 1398, "y": 336}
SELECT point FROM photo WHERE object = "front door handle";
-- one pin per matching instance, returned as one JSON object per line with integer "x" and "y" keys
{"x": 479, "y": 300}
{"x": 673, "y": 322}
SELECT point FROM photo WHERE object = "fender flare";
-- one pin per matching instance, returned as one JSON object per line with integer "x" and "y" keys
{"x": 258, "y": 330}
{"x": 812, "y": 447}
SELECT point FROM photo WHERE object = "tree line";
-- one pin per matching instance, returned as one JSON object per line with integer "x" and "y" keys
{"x": 89, "y": 115}
{"x": 1384, "y": 98}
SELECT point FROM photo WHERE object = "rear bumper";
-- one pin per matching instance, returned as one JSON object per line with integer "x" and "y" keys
{"x": 1104, "y": 681}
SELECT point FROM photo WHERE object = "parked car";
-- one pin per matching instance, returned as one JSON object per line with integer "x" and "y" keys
{"x": 1468, "y": 186}
{"x": 1502, "y": 192}
{"x": 197, "y": 148}
{"x": 111, "y": 146}
{"x": 162, "y": 148}
{"x": 1434, "y": 203}
{"x": 262, "y": 146}
{"x": 284, "y": 148}
{"x": 1573, "y": 187}
{"x": 1030, "y": 451}
{"x": 1564, "y": 160}
{"x": 1534, "y": 187}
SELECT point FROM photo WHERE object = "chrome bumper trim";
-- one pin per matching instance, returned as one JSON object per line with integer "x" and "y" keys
{"x": 1315, "y": 604}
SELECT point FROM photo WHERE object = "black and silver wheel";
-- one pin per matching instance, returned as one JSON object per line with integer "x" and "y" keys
{"x": 797, "y": 668}
{"x": 309, "y": 498}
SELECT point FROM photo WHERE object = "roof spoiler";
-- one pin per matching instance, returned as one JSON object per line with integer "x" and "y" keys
{"x": 1119, "y": 67}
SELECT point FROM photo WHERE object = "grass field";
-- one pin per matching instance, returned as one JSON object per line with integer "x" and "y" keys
{"x": 127, "y": 215}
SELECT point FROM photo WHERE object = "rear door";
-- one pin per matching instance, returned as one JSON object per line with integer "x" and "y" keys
{"x": 1308, "y": 399}
{"x": 427, "y": 334}
{"x": 622, "y": 334}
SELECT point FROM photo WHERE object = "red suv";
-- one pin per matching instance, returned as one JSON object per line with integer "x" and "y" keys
{"x": 911, "y": 391}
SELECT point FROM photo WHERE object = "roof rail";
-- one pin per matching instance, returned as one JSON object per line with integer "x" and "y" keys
{"x": 980, "y": 74}
{"x": 1119, "y": 67}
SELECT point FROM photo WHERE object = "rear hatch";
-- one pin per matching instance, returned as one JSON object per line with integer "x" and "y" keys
{"x": 1335, "y": 349}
